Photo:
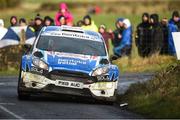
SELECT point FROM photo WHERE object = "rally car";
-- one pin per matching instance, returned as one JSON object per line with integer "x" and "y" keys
{"x": 68, "y": 60}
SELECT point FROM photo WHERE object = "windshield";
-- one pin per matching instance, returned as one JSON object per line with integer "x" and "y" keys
{"x": 71, "y": 45}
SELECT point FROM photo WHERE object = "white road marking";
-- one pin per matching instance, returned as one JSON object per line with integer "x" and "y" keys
{"x": 7, "y": 103}
{"x": 2, "y": 83}
{"x": 11, "y": 113}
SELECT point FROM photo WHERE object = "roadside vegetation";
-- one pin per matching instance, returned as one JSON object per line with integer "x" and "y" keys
{"x": 157, "y": 98}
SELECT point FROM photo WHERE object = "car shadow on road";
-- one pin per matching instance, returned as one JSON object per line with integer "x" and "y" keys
{"x": 65, "y": 99}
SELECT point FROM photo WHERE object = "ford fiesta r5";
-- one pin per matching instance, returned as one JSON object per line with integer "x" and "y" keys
{"x": 68, "y": 60}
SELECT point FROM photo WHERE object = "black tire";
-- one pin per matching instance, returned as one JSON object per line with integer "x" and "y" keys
{"x": 21, "y": 94}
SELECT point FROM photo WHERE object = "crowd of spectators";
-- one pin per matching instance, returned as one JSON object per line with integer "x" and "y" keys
{"x": 152, "y": 35}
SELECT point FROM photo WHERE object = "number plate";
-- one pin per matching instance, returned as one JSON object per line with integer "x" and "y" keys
{"x": 69, "y": 84}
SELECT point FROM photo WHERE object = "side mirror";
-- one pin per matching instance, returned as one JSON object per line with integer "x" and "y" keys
{"x": 104, "y": 61}
{"x": 27, "y": 47}
{"x": 38, "y": 54}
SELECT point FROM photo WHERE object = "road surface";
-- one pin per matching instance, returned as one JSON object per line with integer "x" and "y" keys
{"x": 56, "y": 107}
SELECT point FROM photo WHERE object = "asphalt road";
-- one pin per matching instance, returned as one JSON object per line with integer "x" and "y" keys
{"x": 60, "y": 107}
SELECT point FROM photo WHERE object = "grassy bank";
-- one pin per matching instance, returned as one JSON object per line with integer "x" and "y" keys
{"x": 137, "y": 64}
{"x": 157, "y": 98}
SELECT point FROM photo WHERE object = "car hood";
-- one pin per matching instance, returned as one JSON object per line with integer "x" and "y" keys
{"x": 71, "y": 62}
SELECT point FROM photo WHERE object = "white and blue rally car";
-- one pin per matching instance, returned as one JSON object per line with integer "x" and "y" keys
{"x": 68, "y": 60}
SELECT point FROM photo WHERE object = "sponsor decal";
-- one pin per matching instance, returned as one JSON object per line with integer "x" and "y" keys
{"x": 71, "y": 61}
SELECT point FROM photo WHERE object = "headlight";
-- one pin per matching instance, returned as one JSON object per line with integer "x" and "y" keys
{"x": 39, "y": 63}
{"x": 100, "y": 71}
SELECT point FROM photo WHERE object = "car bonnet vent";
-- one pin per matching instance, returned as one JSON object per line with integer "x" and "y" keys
{"x": 72, "y": 29}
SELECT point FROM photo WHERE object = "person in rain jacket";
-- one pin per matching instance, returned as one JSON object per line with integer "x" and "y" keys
{"x": 171, "y": 47}
{"x": 175, "y": 20}
{"x": 3, "y": 30}
{"x": 156, "y": 35}
{"x": 124, "y": 48}
{"x": 142, "y": 35}
{"x": 89, "y": 24}
{"x": 63, "y": 11}
{"x": 117, "y": 33}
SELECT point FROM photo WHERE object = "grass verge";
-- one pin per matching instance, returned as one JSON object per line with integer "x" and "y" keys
{"x": 157, "y": 98}
{"x": 9, "y": 72}
{"x": 137, "y": 64}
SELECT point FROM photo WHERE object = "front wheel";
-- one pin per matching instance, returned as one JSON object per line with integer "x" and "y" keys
{"x": 21, "y": 94}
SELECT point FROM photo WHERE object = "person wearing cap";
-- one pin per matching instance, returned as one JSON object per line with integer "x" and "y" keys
{"x": 48, "y": 21}
{"x": 175, "y": 19}
{"x": 89, "y": 24}
{"x": 106, "y": 35}
{"x": 13, "y": 21}
{"x": 63, "y": 11}
{"x": 117, "y": 33}
{"x": 38, "y": 24}
{"x": 3, "y": 30}
{"x": 124, "y": 48}
{"x": 142, "y": 35}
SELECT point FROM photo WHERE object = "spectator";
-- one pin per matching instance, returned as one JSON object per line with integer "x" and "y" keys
{"x": 156, "y": 33}
{"x": 63, "y": 11}
{"x": 48, "y": 21}
{"x": 124, "y": 48}
{"x": 62, "y": 20}
{"x": 3, "y": 30}
{"x": 22, "y": 22}
{"x": 142, "y": 36}
{"x": 13, "y": 21}
{"x": 80, "y": 23}
{"x": 171, "y": 47}
{"x": 175, "y": 19}
{"x": 106, "y": 35}
{"x": 117, "y": 34}
{"x": 165, "y": 29}
{"x": 89, "y": 24}
{"x": 38, "y": 24}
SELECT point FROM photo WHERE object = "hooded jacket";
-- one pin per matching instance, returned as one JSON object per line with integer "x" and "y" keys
{"x": 156, "y": 35}
{"x": 116, "y": 40}
{"x": 171, "y": 21}
{"x": 67, "y": 15}
{"x": 142, "y": 36}
{"x": 171, "y": 47}
{"x": 125, "y": 45}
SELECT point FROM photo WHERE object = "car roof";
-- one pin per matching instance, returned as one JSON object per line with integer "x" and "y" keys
{"x": 68, "y": 31}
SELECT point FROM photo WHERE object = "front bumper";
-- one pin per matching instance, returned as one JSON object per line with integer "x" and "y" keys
{"x": 34, "y": 82}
